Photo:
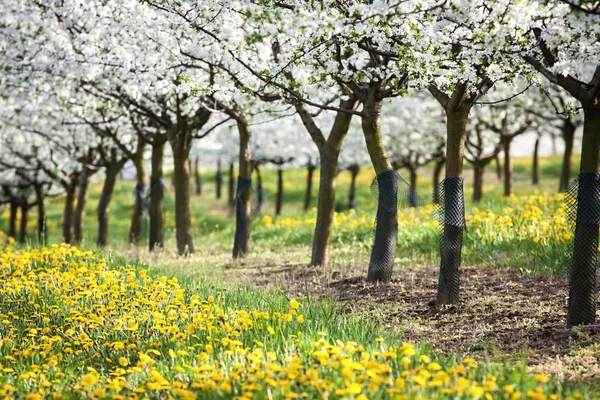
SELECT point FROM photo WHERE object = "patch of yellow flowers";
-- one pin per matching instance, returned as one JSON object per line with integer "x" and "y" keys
{"x": 537, "y": 218}
{"x": 73, "y": 325}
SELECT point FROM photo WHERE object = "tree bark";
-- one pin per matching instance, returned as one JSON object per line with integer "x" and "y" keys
{"x": 112, "y": 174}
{"x": 535, "y": 179}
{"x": 582, "y": 277}
{"x": 329, "y": 151}
{"x": 498, "y": 166}
{"x": 354, "y": 170}
{"x": 82, "y": 193}
{"x": 139, "y": 210}
{"x": 231, "y": 186}
{"x": 183, "y": 212}
{"x": 412, "y": 196}
{"x": 451, "y": 249}
{"x": 41, "y": 211}
{"x": 568, "y": 134}
{"x": 157, "y": 227}
{"x": 68, "y": 210}
{"x": 437, "y": 171}
{"x": 12, "y": 224}
{"x": 386, "y": 230}
{"x": 197, "y": 176}
{"x": 478, "y": 170}
{"x": 309, "y": 184}
{"x": 243, "y": 206}
{"x": 219, "y": 179}
{"x": 508, "y": 179}
{"x": 259, "y": 187}
{"x": 24, "y": 219}
{"x": 279, "y": 197}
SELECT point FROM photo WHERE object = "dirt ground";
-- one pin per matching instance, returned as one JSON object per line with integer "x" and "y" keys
{"x": 504, "y": 313}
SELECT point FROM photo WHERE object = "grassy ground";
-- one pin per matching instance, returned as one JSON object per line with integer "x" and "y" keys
{"x": 513, "y": 287}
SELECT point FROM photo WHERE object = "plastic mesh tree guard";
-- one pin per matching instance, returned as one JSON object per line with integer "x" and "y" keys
{"x": 392, "y": 193}
{"x": 156, "y": 184}
{"x": 449, "y": 210}
{"x": 582, "y": 207}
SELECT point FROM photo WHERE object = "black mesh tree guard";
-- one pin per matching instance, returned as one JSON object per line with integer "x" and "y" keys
{"x": 155, "y": 184}
{"x": 392, "y": 192}
{"x": 449, "y": 209}
{"x": 582, "y": 206}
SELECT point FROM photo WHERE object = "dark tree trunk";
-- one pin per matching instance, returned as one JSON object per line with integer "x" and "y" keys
{"x": 157, "y": 227}
{"x": 243, "y": 204}
{"x": 568, "y": 134}
{"x": 498, "y": 166}
{"x": 12, "y": 224}
{"x": 197, "y": 176}
{"x": 478, "y": 170}
{"x": 582, "y": 277}
{"x": 219, "y": 179}
{"x": 329, "y": 151}
{"x": 309, "y": 184}
{"x": 231, "y": 186}
{"x": 437, "y": 171}
{"x": 412, "y": 196}
{"x": 69, "y": 210}
{"x": 279, "y": 198}
{"x": 260, "y": 193}
{"x": 82, "y": 193}
{"x": 24, "y": 219}
{"x": 183, "y": 212}
{"x": 451, "y": 247}
{"x": 41, "y": 211}
{"x": 383, "y": 253}
{"x": 354, "y": 170}
{"x": 535, "y": 179}
{"x": 139, "y": 210}
{"x": 112, "y": 173}
{"x": 508, "y": 179}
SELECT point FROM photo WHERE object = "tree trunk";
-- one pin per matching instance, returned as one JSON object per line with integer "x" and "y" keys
{"x": 437, "y": 171}
{"x": 112, "y": 173}
{"x": 82, "y": 192}
{"x": 243, "y": 206}
{"x": 68, "y": 210}
{"x": 568, "y": 134}
{"x": 231, "y": 186}
{"x": 219, "y": 179}
{"x": 197, "y": 176}
{"x": 309, "y": 184}
{"x": 183, "y": 212}
{"x": 325, "y": 207}
{"x": 535, "y": 179}
{"x": 157, "y": 193}
{"x": 260, "y": 193}
{"x": 279, "y": 198}
{"x": 582, "y": 273}
{"x": 41, "y": 211}
{"x": 451, "y": 247}
{"x": 412, "y": 195}
{"x": 139, "y": 210}
{"x": 506, "y": 143}
{"x": 24, "y": 220}
{"x": 12, "y": 224}
{"x": 329, "y": 153}
{"x": 498, "y": 166}
{"x": 354, "y": 170}
{"x": 386, "y": 230}
{"x": 478, "y": 170}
